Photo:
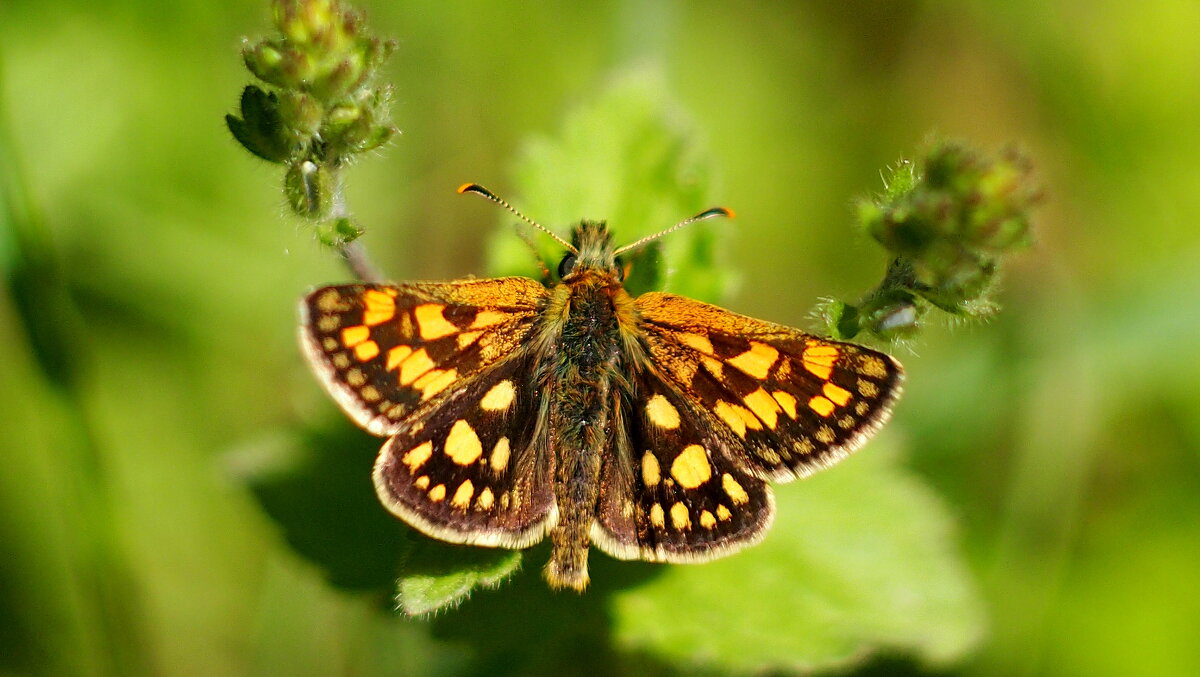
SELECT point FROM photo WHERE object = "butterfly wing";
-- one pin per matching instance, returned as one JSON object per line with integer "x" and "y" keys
{"x": 442, "y": 368}
{"x": 390, "y": 353}
{"x": 785, "y": 403}
{"x": 670, "y": 492}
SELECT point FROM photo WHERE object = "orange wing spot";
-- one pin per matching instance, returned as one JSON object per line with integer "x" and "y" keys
{"x": 821, "y": 405}
{"x": 432, "y": 323}
{"x": 486, "y": 500}
{"x": 417, "y": 456}
{"x": 381, "y": 307}
{"x": 757, "y": 361}
{"x": 840, "y": 396}
{"x": 500, "y": 397}
{"x": 734, "y": 490}
{"x": 414, "y": 365}
{"x": 657, "y": 518}
{"x": 435, "y": 381}
{"x": 462, "y": 444}
{"x": 352, "y": 336}
{"x": 819, "y": 358}
{"x": 725, "y": 411}
{"x": 422, "y": 482}
{"x": 707, "y": 520}
{"x": 467, "y": 338}
{"x": 662, "y": 413}
{"x": 487, "y": 318}
{"x": 691, "y": 467}
{"x": 366, "y": 351}
{"x": 696, "y": 342}
{"x": 397, "y": 355}
{"x": 764, "y": 406}
{"x": 786, "y": 401}
{"x": 437, "y": 493}
{"x": 714, "y": 367}
{"x": 723, "y": 513}
{"x": 462, "y": 495}
{"x": 679, "y": 516}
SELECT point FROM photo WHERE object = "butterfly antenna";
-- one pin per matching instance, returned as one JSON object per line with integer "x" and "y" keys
{"x": 480, "y": 190}
{"x": 706, "y": 214}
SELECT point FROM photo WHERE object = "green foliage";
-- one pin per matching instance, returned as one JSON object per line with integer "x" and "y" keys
{"x": 322, "y": 108}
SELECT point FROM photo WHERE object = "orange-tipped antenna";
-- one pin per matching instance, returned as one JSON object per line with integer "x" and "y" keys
{"x": 480, "y": 190}
{"x": 706, "y": 214}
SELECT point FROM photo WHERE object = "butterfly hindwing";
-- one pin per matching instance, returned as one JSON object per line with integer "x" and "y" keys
{"x": 470, "y": 470}
{"x": 387, "y": 351}
{"x": 786, "y": 403}
{"x": 671, "y": 492}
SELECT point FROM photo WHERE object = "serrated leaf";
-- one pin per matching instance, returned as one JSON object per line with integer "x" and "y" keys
{"x": 627, "y": 157}
{"x": 860, "y": 559}
{"x": 439, "y": 575}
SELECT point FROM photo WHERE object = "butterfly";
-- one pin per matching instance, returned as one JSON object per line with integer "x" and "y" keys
{"x": 649, "y": 427}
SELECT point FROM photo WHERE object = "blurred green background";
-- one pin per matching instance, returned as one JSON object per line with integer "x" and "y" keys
{"x": 147, "y": 324}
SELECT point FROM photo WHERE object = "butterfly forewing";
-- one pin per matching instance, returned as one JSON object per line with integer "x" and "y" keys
{"x": 387, "y": 351}
{"x": 784, "y": 402}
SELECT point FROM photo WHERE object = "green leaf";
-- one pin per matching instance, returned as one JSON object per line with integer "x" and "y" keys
{"x": 860, "y": 558}
{"x": 440, "y": 575}
{"x": 627, "y": 157}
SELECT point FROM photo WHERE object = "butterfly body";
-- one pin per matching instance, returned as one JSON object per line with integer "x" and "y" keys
{"x": 646, "y": 426}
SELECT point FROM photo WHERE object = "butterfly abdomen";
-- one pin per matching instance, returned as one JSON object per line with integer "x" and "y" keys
{"x": 587, "y": 358}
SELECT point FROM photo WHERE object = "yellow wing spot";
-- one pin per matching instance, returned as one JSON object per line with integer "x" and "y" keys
{"x": 734, "y": 490}
{"x": 366, "y": 351}
{"x": 651, "y": 473}
{"x": 839, "y": 395}
{"x": 381, "y": 307}
{"x": 786, "y": 401}
{"x": 414, "y": 458}
{"x": 714, "y": 367}
{"x": 873, "y": 366}
{"x": 437, "y": 493}
{"x": 723, "y": 513}
{"x": 327, "y": 323}
{"x": 846, "y": 422}
{"x": 657, "y": 518}
{"x": 737, "y": 417}
{"x": 696, "y": 342}
{"x": 764, "y": 407}
{"x": 821, "y": 405}
{"x": 356, "y": 377}
{"x": 422, "y": 482}
{"x": 819, "y": 358}
{"x": 462, "y": 444}
{"x": 341, "y": 360}
{"x": 431, "y": 322}
{"x": 500, "y": 397}
{"x": 500, "y": 454}
{"x": 679, "y": 516}
{"x": 757, "y": 361}
{"x": 805, "y": 445}
{"x": 861, "y": 408}
{"x": 329, "y": 344}
{"x": 370, "y": 394}
{"x": 486, "y": 499}
{"x": 504, "y": 501}
{"x": 352, "y": 336}
{"x": 662, "y": 413}
{"x": 414, "y": 365}
{"x": 330, "y": 301}
{"x": 691, "y": 468}
{"x": 867, "y": 388}
{"x": 435, "y": 381}
{"x": 467, "y": 338}
{"x": 824, "y": 435}
{"x": 707, "y": 520}
{"x": 397, "y": 355}
{"x": 462, "y": 495}
{"x": 487, "y": 318}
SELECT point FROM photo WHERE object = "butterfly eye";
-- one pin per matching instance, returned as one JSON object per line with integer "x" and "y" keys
{"x": 566, "y": 265}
